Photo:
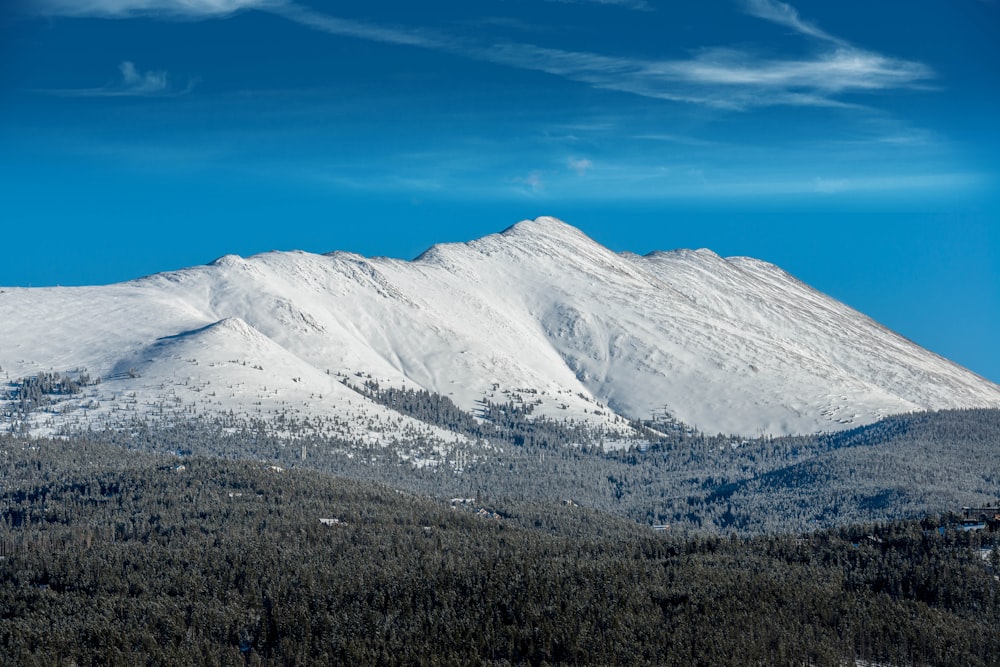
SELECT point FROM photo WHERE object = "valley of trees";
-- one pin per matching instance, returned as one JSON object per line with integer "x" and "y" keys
{"x": 903, "y": 467}
{"x": 115, "y": 557}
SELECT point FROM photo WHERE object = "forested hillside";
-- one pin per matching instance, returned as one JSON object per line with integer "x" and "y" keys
{"x": 158, "y": 559}
{"x": 902, "y": 467}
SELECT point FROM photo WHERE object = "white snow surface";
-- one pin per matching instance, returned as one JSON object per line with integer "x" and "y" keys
{"x": 539, "y": 312}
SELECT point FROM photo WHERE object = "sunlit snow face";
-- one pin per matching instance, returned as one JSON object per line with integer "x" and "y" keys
{"x": 539, "y": 314}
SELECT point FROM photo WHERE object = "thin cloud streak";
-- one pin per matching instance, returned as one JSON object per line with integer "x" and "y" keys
{"x": 521, "y": 169}
{"x": 130, "y": 8}
{"x": 724, "y": 78}
{"x": 640, "y": 5}
{"x": 359, "y": 30}
{"x": 133, "y": 83}
{"x": 786, "y": 15}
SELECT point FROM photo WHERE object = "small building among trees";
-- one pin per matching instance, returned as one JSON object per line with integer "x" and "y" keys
{"x": 977, "y": 518}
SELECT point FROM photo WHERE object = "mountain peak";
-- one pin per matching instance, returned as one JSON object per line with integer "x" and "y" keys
{"x": 228, "y": 260}
{"x": 546, "y": 227}
{"x": 544, "y": 235}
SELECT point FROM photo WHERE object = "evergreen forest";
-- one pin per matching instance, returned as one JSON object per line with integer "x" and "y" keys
{"x": 530, "y": 541}
{"x": 114, "y": 555}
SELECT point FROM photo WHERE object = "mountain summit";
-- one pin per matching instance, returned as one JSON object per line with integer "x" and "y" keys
{"x": 538, "y": 313}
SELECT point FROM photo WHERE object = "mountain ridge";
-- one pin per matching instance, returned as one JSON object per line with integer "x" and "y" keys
{"x": 538, "y": 311}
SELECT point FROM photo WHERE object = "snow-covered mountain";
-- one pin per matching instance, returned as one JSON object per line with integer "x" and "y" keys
{"x": 538, "y": 313}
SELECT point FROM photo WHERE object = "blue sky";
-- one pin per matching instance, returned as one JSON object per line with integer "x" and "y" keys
{"x": 853, "y": 143}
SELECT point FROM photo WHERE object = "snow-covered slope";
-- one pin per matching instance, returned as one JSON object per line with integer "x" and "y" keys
{"x": 539, "y": 312}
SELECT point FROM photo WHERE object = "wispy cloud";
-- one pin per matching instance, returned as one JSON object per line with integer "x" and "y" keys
{"x": 131, "y": 83}
{"x": 726, "y": 78}
{"x": 518, "y": 168}
{"x": 361, "y": 30}
{"x": 580, "y": 165}
{"x": 141, "y": 83}
{"x": 676, "y": 139}
{"x": 532, "y": 183}
{"x": 127, "y": 8}
{"x": 786, "y": 15}
{"x": 719, "y": 77}
{"x": 640, "y": 5}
